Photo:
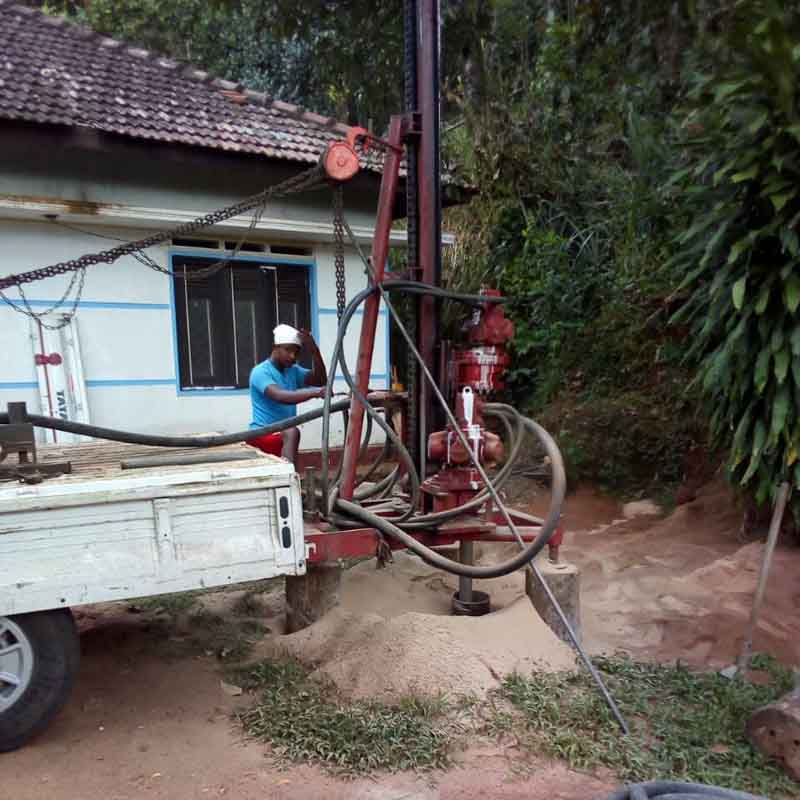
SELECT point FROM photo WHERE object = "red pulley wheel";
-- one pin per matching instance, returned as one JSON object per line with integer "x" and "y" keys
{"x": 340, "y": 161}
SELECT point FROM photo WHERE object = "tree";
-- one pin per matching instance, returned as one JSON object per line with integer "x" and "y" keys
{"x": 739, "y": 259}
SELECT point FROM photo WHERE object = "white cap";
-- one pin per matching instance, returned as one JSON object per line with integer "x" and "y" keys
{"x": 286, "y": 334}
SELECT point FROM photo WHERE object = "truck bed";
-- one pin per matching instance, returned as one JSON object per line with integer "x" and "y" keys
{"x": 105, "y": 533}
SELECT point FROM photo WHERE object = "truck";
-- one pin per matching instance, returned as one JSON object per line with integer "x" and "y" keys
{"x": 123, "y": 523}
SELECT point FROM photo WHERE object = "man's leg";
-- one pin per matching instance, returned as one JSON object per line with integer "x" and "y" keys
{"x": 291, "y": 444}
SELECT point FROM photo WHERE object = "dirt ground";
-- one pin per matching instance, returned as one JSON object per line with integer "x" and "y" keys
{"x": 149, "y": 717}
{"x": 682, "y": 587}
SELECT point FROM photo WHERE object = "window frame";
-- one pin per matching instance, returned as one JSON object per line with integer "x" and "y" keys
{"x": 178, "y": 258}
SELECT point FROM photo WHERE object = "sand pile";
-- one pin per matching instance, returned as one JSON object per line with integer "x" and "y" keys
{"x": 393, "y": 635}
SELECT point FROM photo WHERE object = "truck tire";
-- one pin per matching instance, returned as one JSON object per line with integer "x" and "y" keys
{"x": 39, "y": 656}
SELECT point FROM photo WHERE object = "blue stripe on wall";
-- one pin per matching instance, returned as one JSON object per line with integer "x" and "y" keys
{"x": 114, "y": 382}
{"x": 96, "y": 304}
{"x": 201, "y": 391}
{"x": 131, "y": 382}
{"x": 18, "y": 385}
{"x": 264, "y": 258}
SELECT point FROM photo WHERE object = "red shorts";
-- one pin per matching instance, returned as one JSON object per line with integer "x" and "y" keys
{"x": 272, "y": 443}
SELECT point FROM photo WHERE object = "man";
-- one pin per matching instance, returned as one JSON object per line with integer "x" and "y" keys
{"x": 278, "y": 384}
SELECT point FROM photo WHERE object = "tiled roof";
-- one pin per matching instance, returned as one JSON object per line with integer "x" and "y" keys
{"x": 55, "y": 72}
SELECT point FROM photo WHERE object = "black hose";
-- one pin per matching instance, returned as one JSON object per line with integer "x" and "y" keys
{"x": 369, "y": 491}
{"x": 429, "y": 556}
{"x": 549, "y": 525}
{"x": 559, "y": 477}
{"x": 672, "y": 790}
{"x": 153, "y": 440}
{"x": 412, "y": 287}
{"x": 517, "y": 439}
{"x": 383, "y": 456}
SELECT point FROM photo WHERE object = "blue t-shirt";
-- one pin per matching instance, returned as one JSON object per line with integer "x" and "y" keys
{"x": 265, "y": 409}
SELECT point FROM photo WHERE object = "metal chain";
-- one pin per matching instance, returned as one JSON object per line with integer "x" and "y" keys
{"x": 78, "y": 278}
{"x": 304, "y": 181}
{"x": 338, "y": 248}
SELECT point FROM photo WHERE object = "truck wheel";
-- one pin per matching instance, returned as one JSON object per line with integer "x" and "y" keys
{"x": 39, "y": 655}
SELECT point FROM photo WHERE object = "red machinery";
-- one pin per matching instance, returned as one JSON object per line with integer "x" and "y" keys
{"x": 458, "y": 482}
{"x": 477, "y": 366}
{"x": 481, "y": 365}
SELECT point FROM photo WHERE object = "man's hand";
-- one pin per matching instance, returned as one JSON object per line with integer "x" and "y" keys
{"x": 322, "y": 391}
{"x": 318, "y": 375}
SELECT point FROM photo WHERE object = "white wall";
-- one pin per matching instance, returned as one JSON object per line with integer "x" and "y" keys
{"x": 127, "y": 334}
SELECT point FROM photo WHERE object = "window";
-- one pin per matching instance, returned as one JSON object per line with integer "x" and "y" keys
{"x": 225, "y": 317}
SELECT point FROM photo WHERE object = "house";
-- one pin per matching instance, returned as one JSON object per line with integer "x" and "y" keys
{"x": 102, "y": 143}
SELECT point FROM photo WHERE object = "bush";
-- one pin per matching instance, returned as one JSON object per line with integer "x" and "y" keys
{"x": 739, "y": 259}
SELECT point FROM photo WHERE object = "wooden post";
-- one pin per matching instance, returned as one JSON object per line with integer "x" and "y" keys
{"x": 564, "y": 582}
{"x": 309, "y": 597}
{"x": 772, "y": 538}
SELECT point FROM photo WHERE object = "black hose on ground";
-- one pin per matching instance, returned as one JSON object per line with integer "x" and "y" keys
{"x": 672, "y": 790}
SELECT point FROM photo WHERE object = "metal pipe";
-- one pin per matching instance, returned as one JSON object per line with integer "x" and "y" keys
{"x": 188, "y": 459}
{"x": 369, "y": 322}
{"x": 466, "y": 550}
{"x": 430, "y": 212}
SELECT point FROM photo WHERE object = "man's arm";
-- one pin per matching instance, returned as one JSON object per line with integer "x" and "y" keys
{"x": 318, "y": 375}
{"x": 289, "y": 397}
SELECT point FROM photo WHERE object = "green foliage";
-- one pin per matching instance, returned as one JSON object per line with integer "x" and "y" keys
{"x": 631, "y": 443}
{"x": 738, "y": 260}
{"x": 305, "y": 721}
{"x": 570, "y": 144}
{"x": 686, "y": 726}
{"x": 236, "y": 39}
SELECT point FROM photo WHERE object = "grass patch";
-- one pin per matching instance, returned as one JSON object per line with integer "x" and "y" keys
{"x": 686, "y": 725}
{"x": 171, "y": 605}
{"x": 229, "y": 640}
{"x": 178, "y": 603}
{"x": 249, "y": 604}
{"x": 306, "y": 721}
